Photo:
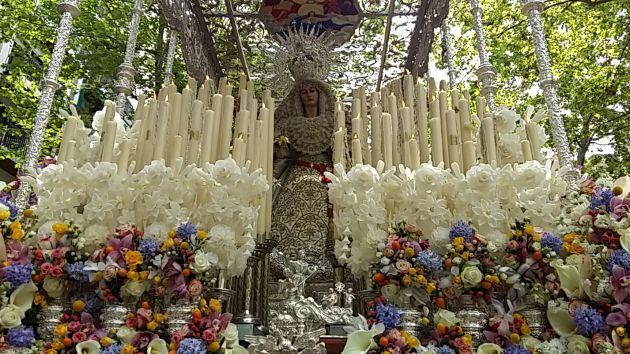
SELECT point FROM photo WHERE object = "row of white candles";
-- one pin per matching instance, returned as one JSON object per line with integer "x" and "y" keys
{"x": 411, "y": 123}
{"x": 191, "y": 127}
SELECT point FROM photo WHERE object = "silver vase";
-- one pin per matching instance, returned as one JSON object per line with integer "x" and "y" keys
{"x": 179, "y": 314}
{"x": 49, "y": 318}
{"x": 536, "y": 317}
{"x": 364, "y": 297}
{"x": 15, "y": 350}
{"x": 474, "y": 319}
{"x": 410, "y": 316}
{"x": 113, "y": 315}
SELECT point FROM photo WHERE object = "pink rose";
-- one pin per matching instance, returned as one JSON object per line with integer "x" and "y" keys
{"x": 56, "y": 272}
{"x": 209, "y": 335}
{"x": 146, "y": 314}
{"x": 411, "y": 228}
{"x": 402, "y": 265}
{"x": 131, "y": 322}
{"x": 512, "y": 245}
{"x": 46, "y": 268}
{"x": 79, "y": 337}
{"x": 74, "y": 326}
{"x": 58, "y": 253}
{"x": 195, "y": 287}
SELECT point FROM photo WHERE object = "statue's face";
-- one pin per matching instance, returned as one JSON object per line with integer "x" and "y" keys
{"x": 309, "y": 96}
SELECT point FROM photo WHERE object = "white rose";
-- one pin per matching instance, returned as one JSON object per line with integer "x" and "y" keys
{"x": 94, "y": 236}
{"x": 446, "y": 317}
{"x": 11, "y": 316}
{"x": 203, "y": 261}
{"x": 529, "y": 342}
{"x": 471, "y": 276}
{"x": 481, "y": 178}
{"x": 506, "y": 119}
{"x": 390, "y": 291}
{"x": 133, "y": 288}
{"x": 54, "y": 287}
{"x": 428, "y": 177}
{"x": 125, "y": 334}
{"x": 578, "y": 345}
{"x": 363, "y": 177}
{"x": 231, "y": 334}
{"x": 529, "y": 175}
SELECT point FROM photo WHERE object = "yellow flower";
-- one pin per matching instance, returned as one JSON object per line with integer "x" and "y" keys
{"x": 425, "y": 321}
{"x": 529, "y": 229}
{"x": 515, "y": 338}
{"x": 15, "y": 225}
{"x": 569, "y": 237}
{"x": 457, "y": 279}
{"x": 58, "y": 345}
{"x": 458, "y": 241}
{"x": 78, "y": 306}
{"x": 40, "y": 300}
{"x": 525, "y": 330}
{"x": 467, "y": 338}
{"x": 152, "y": 325}
{"x": 61, "y": 330}
{"x": 519, "y": 233}
{"x": 577, "y": 248}
{"x": 412, "y": 271}
{"x": 214, "y": 346}
{"x": 4, "y": 215}
{"x": 566, "y": 247}
{"x": 171, "y": 234}
{"x": 128, "y": 349}
{"x": 184, "y": 244}
{"x": 17, "y": 234}
{"x": 60, "y": 228}
{"x": 202, "y": 234}
{"x": 536, "y": 237}
{"x": 430, "y": 288}
{"x": 98, "y": 276}
{"x": 413, "y": 342}
{"x": 421, "y": 279}
{"x": 133, "y": 258}
{"x": 144, "y": 275}
{"x": 409, "y": 252}
{"x": 465, "y": 255}
{"x": 169, "y": 243}
{"x": 28, "y": 213}
{"x": 406, "y": 280}
{"x": 106, "y": 341}
{"x": 50, "y": 351}
{"x": 215, "y": 305}
{"x": 159, "y": 317}
{"x": 133, "y": 275}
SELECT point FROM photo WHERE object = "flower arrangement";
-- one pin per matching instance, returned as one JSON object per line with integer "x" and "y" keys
{"x": 76, "y": 326}
{"x": 448, "y": 335}
{"x": 507, "y": 330}
{"x": 207, "y": 332}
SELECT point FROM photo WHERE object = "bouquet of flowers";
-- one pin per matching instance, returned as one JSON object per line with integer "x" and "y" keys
{"x": 76, "y": 326}
{"x": 471, "y": 268}
{"x": 406, "y": 266}
{"x": 185, "y": 265}
{"x": 391, "y": 339}
{"x": 207, "y": 332}
{"x": 448, "y": 337}
{"x": 125, "y": 266}
{"x": 507, "y": 329}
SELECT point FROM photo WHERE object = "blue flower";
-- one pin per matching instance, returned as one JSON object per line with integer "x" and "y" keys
{"x": 113, "y": 349}
{"x": 388, "y": 315}
{"x": 192, "y": 346}
{"x": 461, "y": 229}
{"x": 148, "y": 247}
{"x": 588, "y": 321}
{"x": 619, "y": 258}
{"x": 430, "y": 260}
{"x": 445, "y": 349}
{"x": 185, "y": 231}
{"x": 21, "y": 336}
{"x": 18, "y": 274}
{"x": 515, "y": 349}
{"x": 601, "y": 199}
{"x": 77, "y": 272}
{"x": 12, "y": 208}
{"x": 551, "y": 241}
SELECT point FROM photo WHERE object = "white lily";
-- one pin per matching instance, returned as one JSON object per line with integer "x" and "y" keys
{"x": 88, "y": 347}
{"x": 560, "y": 319}
{"x": 361, "y": 337}
{"x": 489, "y": 348}
{"x": 157, "y": 346}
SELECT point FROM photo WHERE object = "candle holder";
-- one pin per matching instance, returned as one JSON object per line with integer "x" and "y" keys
{"x": 126, "y": 71}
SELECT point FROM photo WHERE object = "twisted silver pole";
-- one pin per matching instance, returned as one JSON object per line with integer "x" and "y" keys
{"x": 486, "y": 72}
{"x": 170, "y": 57}
{"x": 68, "y": 9}
{"x": 126, "y": 71}
{"x": 447, "y": 46}
{"x": 532, "y": 9}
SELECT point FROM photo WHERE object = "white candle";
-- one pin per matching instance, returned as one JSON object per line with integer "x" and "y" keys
{"x": 481, "y": 106}
{"x": 217, "y": 103}
{"x": 423, "y": 130}
{"x": 387, "y": 139}
{"x": 67, "y": 135}
{"x": 144, "y": 150}
{"x": 162, "y": 124}
{"x": 175, "y": 100}
{"x": 487, "y": 128}
{"x": 357, "y": 154}
{"x": 140, "y": 107}
{"x": 222, "y": 86}
{"x": 526, "y": 149}
{"x": 269, "y": 145}
{"x": 532, "y": 136}
{"x": 251, "y": 127}
{"x": 436, "y": 141}
{"x": 443, "y": 100}
{"x": 206, "y": 140}
{"x": 123, "y": 158}
{"x": 195, "y": 133}
{"x": 239, "y": 150}
{"x": 413, "y": 147}
{"x": 432, "y": 90}
{"x": 242, "y": 99}
{"x": 356, "y": 127}
{"x": 227, "y": 118}
{"x": 393, "y": 111}
{"x": 175, "y": 151}
{"x": 70, "y": 150}
{"x": 470, "y": 154}
{"x": 184, "y": 118}
{"x": 109, "y": 139}
{"x": 338, "y": 150}
{"x": 340, "y": 121}
{"x": 242, "y": 123}
{"x": 377, "y": 127}
{"x": 453, "y": 137}
{"x": 455, "y": 107}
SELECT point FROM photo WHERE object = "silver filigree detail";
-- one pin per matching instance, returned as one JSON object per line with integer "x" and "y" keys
{"x": 179, "y": 314}
{"x": 533, "y": 8}
{"x": 68, "y": 9}
{"x": 170, "y": 57}
{"x": 474, "y": 319}
{"x": 486, "y": 71}
{"x": 126, "y": 72}
{"x": 48, "y": 318}
{"x": 447, "y": 47}
{"x": 113, "y": 315}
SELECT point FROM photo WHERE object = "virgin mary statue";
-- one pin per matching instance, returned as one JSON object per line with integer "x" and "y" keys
{"x": 301, "y": 213}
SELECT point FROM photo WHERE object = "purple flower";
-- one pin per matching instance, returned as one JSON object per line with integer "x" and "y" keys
{"x": 113, "y": 349}
{"x": 619, "y": 258}
{"x": 619, "y": 318}
{"x": 21, "y": 336}
{"x": 142, "y": 339}
{"x": 515, "y": 349}
{"x": 77, "y": 272}
{"x": 601, "y": 199}
{"x": 388, "y": 315}
{"x": 588, "y": 321}
{"x": 619, "y": 207}
{"x": 445, "y": 349}
{"x": 620, "y": 281}
{"x": 461, "y": 229}
{"x": 192, "y": 346}
{"x": 148, "y": 247}
{"x": 430, "y": 260}
{"x": 18, "y": 274}
{"x": 186, "y": 230}
{"x": 12, "y": 208}
{"x": 551, "y": 241}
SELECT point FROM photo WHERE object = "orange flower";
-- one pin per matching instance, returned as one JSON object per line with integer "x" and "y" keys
{"x": 577, "y": 248}
{"x": 133, "y": 258}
